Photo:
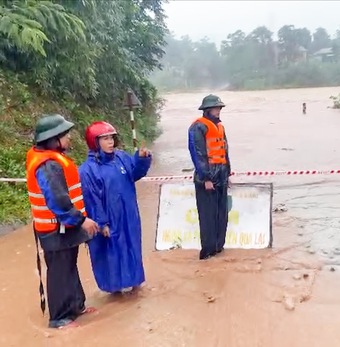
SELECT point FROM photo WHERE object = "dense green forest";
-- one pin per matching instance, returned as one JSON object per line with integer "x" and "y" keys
{"x": 78, "y": 58}
{"x": 294, "y": 57}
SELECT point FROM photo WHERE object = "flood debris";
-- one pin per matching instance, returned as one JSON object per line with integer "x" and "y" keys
{"x": 251, "y": 268}
{"x": 288, "y": 303}
{"x": 280, "y": 208}
{"x": 209, "y": 298}
{"x": 297, "y": 277}
{"x": 149, "y": 327}
{"x": 230, "y": 260}
{"x": 304, "y": 297}
{"x": 177, "y": 244}
{"x": 286, "y": 149}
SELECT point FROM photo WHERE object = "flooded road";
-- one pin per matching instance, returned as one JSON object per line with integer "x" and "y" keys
{"x": 285, "y": 296}
{"x": 267, "y": 132}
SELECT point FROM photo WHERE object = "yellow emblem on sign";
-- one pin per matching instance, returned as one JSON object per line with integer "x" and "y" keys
{"x": 191, "y": 216}
{"x": 234, "y": 217}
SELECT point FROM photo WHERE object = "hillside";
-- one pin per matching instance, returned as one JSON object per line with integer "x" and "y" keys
{"x": 77, "y": 58}
{"x": 20, "y": 107}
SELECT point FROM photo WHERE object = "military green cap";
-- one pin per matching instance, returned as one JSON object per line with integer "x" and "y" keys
{"x": 50, "y": 126}
{"x": 211, "y": 101}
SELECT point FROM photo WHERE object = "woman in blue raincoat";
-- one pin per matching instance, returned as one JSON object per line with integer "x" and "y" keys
{"x": 108, "y": 179}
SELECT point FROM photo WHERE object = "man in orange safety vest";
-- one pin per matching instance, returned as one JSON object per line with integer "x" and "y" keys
{"x": 59, "y": 219}
{"x": 209, "y": 152}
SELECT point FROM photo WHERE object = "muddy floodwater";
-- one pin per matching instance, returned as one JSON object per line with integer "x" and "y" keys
{"x": 287, "y": 296}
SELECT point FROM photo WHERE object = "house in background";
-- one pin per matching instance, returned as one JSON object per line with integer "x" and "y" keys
{"x": 325, "y": 55}
{"x": 297, "y": 54}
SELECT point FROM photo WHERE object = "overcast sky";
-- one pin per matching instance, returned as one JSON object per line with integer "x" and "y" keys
{"x": 215, "y": 19}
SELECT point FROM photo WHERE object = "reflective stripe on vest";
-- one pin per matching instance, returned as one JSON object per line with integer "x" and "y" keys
{"x": 44, "y": 219}
{"x": 51, "y": 221}
{"x": 215, "y": 141}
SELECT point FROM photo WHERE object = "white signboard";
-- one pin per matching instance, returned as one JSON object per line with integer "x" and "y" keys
{"x": 249, "y": 226}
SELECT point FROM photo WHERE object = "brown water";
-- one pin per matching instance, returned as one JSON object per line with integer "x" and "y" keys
{"x": 285, "y": 296}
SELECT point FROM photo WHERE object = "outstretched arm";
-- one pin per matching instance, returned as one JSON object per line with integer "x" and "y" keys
{"x": 140, "y": 165}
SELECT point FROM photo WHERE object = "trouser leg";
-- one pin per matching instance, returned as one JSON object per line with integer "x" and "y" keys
{"x": 79, "y": 297}
{"x": 207, "y": 207}
{"x": 65, "y": 294}
{"x": 222, "y": 217}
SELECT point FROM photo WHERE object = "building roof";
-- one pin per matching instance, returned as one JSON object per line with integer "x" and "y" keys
{"x": 302, "y": 49}
{"x": 325, "y": 51}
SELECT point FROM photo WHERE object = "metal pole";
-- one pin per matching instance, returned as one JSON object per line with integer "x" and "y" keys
{"x": 132, "y": 121}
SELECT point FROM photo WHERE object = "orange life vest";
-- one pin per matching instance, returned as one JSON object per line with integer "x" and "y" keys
{"x": 215, "y": 141}
{"x": 44, "y": 219}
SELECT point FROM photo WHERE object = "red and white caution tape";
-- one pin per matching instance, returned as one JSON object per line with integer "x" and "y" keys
{"x": 251, "y": 173}
{"x": 12, "y": 179}
{"x": 237, "y": 174}
{"x": 286, "y": 173}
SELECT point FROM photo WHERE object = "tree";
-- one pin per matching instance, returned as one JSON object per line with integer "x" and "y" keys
{"x": 263, "y": 50}
{"x": 235, "y": 39}
{"x": 191, "y": 64}
{"x": 262, "y": 35}
{"x": 126, "y": 37}
{"x": 303, "y": 37}
{"x": 287, "y": 42}
{"x": 321, "y": 39}
{"x": 85, "y": 50}
{"x": 336, "y": 45}
{"x": 24, "y": 24}
{"x": 292, "y": 40}
{"x": 248, "y": 61}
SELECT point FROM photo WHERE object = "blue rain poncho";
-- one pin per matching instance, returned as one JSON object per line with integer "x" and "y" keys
{"x": 108, "y": 183}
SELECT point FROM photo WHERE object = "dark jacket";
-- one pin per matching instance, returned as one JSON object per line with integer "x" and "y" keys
{"x": 51, "y": 180}
{"x": 217, "y": 173}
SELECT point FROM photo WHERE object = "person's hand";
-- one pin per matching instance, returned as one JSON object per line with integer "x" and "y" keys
{"x": 90, "y": 226}
{"x": 143, "y": 151}
{"x": 209, "y": 185}
{"x": 106, "y": 231}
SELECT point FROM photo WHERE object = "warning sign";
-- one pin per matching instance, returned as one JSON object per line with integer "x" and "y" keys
{"x": 250, "y": 217}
